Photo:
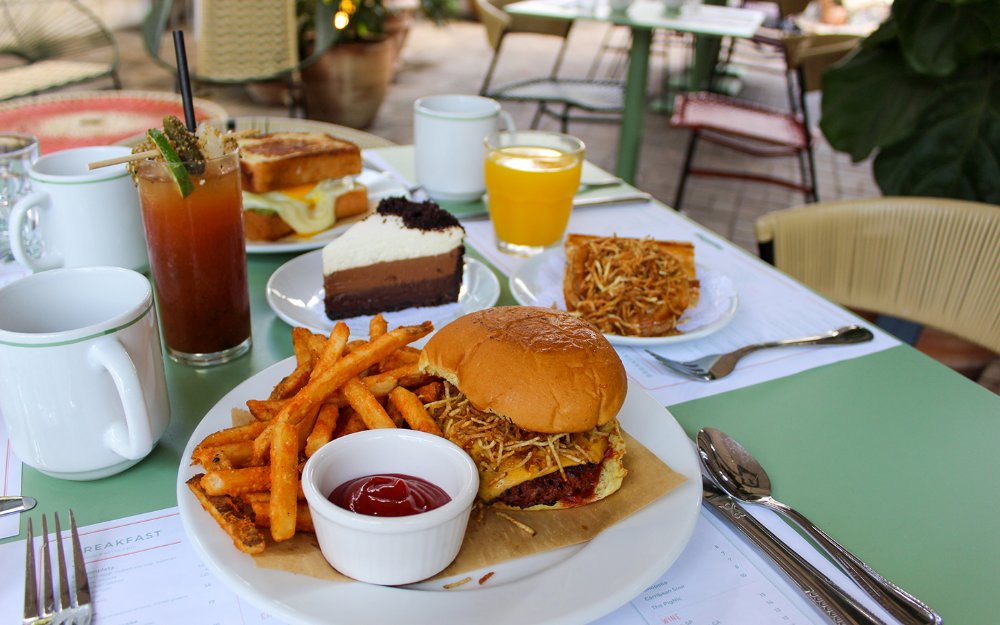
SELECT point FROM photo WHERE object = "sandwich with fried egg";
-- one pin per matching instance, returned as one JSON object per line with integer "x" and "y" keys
{"x": 298, "y": 183}
{"x": 532, "y": 394}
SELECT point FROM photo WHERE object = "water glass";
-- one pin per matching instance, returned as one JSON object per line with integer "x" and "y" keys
{"x": 17, "y": 151}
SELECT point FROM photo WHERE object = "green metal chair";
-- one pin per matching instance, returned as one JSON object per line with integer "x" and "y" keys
{"x": 54, "y": 44}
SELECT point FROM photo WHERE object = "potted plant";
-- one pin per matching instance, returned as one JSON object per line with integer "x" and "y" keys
{"x": 362, "y": 40}
{"x": 923, "y": 93}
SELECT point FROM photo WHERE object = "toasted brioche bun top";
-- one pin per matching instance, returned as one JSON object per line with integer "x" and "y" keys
{"x": 543, "y": 369}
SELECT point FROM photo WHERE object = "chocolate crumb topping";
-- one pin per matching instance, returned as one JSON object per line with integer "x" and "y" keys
{"x": 418, "y": 215}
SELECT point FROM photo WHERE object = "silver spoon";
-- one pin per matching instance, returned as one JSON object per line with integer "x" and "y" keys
{"x": 745, "y": 479}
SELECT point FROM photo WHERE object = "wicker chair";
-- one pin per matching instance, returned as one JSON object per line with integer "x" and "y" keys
{"x": 238, "y": 42}
{"x": 931, "y": 261}
{"x": 566, "y": 99}
{"x": 757, "y": 130}
{"x": 56, "y": 43}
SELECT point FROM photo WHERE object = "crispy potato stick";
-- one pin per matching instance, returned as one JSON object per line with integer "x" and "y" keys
{"x": 377, "y": 327}
{"x": 316, "y": 344}
{"x": 236, "y": 481}
{"x": 432, "y": 391}
{"x": 265, "y": 409}
{"x": 229, "y": 456}
{"x": 303, "y": 518}
{"x": 322, "y": 431}
{"x": 365, "y": 404}
{"x": 304, "y": 360}
{"x": 334, "y": 347}
{"x": 527, "y": 529}
{"x": 402, "y": 356}
{"x": 305, "y": 427}
{"x": 413, "y": 411}
{"x": 230, "y": 517}
{"x": 239, "y": 434}
{"x": 284, "y": 479}
{"x": 349, "y": 423}
{"x": 262, "y": 446}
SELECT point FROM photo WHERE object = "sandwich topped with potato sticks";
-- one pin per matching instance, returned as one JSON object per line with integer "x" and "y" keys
{"x": 532, "y": 394}
{"x": 298, "y": 183}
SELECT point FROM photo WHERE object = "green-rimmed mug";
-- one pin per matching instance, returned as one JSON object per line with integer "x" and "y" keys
{"x": 86, "y": 218}
{"x": 82, "y": 389}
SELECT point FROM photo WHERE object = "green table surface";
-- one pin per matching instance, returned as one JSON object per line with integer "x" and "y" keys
{"x": 891, "y": 453}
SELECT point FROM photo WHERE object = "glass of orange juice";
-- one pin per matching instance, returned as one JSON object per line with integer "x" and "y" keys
{"x": 531, "y": 178}
{"x": 198, "y": 260}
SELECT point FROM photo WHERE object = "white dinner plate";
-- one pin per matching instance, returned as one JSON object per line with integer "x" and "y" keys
{"x": 571, "y": 585}
{"x": 539, "y": 282}
{"x": 295, "y": 294}
{"x": 380, "y": 185}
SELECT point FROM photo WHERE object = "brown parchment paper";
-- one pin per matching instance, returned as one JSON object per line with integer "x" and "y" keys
{"x": 493, "y": 539}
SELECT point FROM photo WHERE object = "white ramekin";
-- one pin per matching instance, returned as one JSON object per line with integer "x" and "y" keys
{"x": 390, "y": 550}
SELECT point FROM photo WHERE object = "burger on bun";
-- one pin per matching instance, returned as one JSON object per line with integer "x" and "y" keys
{"x": 532, "y": 395}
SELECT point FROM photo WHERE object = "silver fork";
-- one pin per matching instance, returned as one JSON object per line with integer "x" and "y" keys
{"x": 69, "y": 610}
{"x": 720, "y": 365}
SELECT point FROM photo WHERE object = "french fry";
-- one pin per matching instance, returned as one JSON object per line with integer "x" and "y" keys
{"x": 305, "y": 361}
{"x": 284, "y": 478}
{"x": 236, "y": 481}
{"x": 334, "y": 347}
{"x": 230, "y": 516}
{"x": 239, "y": 434}
{"x": 377, "y": 327}
{"x": 348, "y": 423}
{"x": 322, "y": 432}
{"x": 365, "y": 404}
{"x": 305, "y": 427}
{"x": 265, "y": 409}
{"x": 262, "y": 446}
{"x": 413, "y": 411}
{"x": 400, "y": 357}
{"x": 303, "y": 518}
{"x": 228, "y": 456}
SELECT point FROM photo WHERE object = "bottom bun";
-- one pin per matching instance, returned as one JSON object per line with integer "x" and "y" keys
{"x": 612, "y": 474}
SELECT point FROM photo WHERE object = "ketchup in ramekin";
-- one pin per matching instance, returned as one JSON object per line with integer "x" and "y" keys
{"x": 388, "y": 495}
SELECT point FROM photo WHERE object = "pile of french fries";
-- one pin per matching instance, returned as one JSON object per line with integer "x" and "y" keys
{"x": 252, "y": 478}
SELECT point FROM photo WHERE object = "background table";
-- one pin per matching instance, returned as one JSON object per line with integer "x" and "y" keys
{"x": 891, "y": 453}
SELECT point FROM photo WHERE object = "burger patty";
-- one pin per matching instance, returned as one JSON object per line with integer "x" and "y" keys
{"x": 579, "y": 484}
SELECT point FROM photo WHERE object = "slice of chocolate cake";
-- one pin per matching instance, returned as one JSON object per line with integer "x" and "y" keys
{"x": 405, "y": 254}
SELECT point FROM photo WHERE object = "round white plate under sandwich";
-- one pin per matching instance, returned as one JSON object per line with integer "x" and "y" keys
{"x": 539, "y": 282}
{"x": 574, "y": 584}
{"x": 380, "y": 185}
{"x": 295, "y": 293}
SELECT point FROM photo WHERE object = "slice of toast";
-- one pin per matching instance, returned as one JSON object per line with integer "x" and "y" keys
{"x": 286, "y": 159}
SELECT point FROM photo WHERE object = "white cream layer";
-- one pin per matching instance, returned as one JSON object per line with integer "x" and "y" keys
{"x": 384, "y": 238}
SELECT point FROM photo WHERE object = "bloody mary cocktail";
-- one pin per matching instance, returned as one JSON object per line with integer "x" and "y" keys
{"x": 198, "y": 260}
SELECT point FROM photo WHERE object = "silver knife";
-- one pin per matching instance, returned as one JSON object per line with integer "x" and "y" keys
{"x": 580, "y": 202}
{"x": 820, "y": 590}
{"x": 10, "y": 505}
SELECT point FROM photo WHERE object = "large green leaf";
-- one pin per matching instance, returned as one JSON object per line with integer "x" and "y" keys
{"x": 872, "y": 100}
{"x": 956, "y": 153}
{"x": 939, "y": 36}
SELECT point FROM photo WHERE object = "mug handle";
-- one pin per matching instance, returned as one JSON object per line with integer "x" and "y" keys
{"x": 15, "y": 229}
{"x": 508, "y": 121}
{"x": 132, "y": 439}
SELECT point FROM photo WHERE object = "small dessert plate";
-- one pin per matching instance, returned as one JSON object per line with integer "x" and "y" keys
{"x": 295, "y": 294}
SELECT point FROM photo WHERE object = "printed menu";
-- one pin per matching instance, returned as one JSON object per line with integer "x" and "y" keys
{"x": 144, "y": 571}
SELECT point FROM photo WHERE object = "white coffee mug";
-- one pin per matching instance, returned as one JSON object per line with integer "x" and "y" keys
{"x": 448, "y": 133}
{"x": 82, "y": 389}
{"x": 86, "y": 218}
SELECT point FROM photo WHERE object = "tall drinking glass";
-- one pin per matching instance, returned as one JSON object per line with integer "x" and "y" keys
{"x": 16, "y": 152}
{"x": 531, "y": 179}
{"x": 198, "y": 260}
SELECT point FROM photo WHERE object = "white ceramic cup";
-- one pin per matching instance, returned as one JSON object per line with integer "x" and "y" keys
{"x": 82, "y": 389}
{"x": 448, "y": 133}
{"x": 86, "y": 218}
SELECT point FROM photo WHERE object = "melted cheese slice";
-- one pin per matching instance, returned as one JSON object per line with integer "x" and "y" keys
{"x": 306, "y": 208}
{"x": 493, "y": 483}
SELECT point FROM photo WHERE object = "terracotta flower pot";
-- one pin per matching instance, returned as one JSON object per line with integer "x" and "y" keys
{"x": 348, "y": 83}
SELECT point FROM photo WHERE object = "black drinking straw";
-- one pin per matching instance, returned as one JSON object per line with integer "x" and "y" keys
{"x": 184, "y": 80}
